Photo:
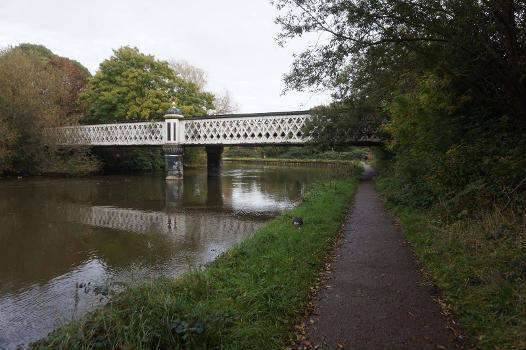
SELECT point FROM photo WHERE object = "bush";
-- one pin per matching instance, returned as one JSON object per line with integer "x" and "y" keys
{"x": 241, "y": 152}
{"x": 130, "y": 158}
{"x": 295, "y": 152}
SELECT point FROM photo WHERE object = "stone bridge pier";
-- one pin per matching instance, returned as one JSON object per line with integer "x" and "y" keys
{"x": 173, "y": 161}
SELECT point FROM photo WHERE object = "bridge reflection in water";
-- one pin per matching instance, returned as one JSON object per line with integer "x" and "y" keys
{"x": 55, "y": 233}
{"x": 173, "y": 223}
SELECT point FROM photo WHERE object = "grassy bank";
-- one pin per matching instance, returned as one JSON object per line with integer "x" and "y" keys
{"x": 478, "y": 262}
{"x": 249, "y": 298}
{"x": 296, "y": 152}
{"x": 323, "y": 162}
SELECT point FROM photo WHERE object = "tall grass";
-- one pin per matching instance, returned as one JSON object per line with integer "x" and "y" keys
{"x": 249, "y": 298}
{"x": 478, "y": 261}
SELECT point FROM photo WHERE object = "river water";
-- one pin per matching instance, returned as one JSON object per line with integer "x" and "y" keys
{"x": 64, "y": 242}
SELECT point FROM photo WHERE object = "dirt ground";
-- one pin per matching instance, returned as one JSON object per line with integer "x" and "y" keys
{"x": 375, "y": 295}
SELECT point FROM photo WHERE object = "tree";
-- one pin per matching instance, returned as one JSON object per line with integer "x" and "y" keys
{"x": 35, "y": 50}
{"x": 189, "y": 73}
{"x": 223, "y": 102}
{"x": 371, "y": 42}
{"x": 73, "y": 75}
{"x": 74, "y": 80}
{"x": 29, "y": 89}
{"x": 132, "y": 85}
{"x": 451, "y": 70}
{"x": 191, "y": 100}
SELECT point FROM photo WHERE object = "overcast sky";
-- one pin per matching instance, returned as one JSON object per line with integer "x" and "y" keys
{"x": 232, "y": 40}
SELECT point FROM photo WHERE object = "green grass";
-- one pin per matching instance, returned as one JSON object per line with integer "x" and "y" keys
{"x": 296, "y": 152}
{"x": 249, "y": 298}
{"x": 477, "y": 260}
{"x": 351, "y": 163}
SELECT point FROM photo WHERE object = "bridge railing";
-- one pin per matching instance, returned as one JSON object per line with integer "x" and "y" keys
{"x": 146, "y": 133}
{"x": 250, "y": 129}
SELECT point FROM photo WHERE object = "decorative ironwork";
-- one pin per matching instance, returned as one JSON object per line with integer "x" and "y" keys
{"x": 262, "y": 129}
{"x": 150, "y": 133}
{"x": 279, "y": 129}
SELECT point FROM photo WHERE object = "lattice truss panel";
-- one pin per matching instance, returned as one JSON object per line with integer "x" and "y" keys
{"x": 151, "y": 133}
{"x": 248, "y": 130}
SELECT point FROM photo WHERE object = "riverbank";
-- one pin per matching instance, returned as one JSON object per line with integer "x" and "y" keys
{"x": 376, "y": 296}
{"x": 478, "y": 263}
{"x": 332, "y": 163}
{"x": 250, "y": 297}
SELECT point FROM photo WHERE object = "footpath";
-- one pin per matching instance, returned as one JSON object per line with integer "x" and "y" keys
{"x": 376, "y": 296}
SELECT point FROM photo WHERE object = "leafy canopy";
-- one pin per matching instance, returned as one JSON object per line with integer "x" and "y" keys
{"x": 35, "y": 94}
{"x": 73, "y": 77}
{"x": 223, "y": 102}
{"x": 447, "y": 79}
{"x": 132, "y": 85}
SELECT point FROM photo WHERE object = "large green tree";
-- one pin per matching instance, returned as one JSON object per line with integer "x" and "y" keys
{"x": 447, "y": 79}
{"x": 368, "y": 43}
{"x": 132, "y": 85}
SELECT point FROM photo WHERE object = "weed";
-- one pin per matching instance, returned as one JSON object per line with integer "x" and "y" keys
{"x": 478, "y": 261}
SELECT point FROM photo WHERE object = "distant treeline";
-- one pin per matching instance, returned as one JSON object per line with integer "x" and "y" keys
{"x": 294, "y": 152}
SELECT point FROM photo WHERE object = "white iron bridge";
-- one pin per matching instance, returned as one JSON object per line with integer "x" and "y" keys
{"x": 276, "y": 128}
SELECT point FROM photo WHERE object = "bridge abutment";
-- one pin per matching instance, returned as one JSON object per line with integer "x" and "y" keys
{"x": 173, "y": 161}
{"x": 214, "y": 160}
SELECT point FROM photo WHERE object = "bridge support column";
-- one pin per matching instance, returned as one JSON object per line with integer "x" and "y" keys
{"x": 173, "y": 161}
{"x": 214, "y": 160}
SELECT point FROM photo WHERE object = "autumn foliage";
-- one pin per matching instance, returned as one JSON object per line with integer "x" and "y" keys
{"x": 39, "y": 90}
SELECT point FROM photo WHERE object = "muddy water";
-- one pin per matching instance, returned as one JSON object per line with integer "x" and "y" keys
{"x": 65, "y": 242}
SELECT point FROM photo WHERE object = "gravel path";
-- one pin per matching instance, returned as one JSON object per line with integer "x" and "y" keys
{"x": 375, "y": 297}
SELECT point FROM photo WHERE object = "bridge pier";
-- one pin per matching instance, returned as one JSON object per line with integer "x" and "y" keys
{"x": 173, "y": 161}
{"x": 214, "y": 160}
{"x": 173, "y": 149}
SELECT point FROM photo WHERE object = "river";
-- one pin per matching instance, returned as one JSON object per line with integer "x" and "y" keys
{"x": 65, "y": 242}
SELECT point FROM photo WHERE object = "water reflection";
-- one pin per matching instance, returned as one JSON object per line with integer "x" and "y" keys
{"x": 55, "y": 233}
